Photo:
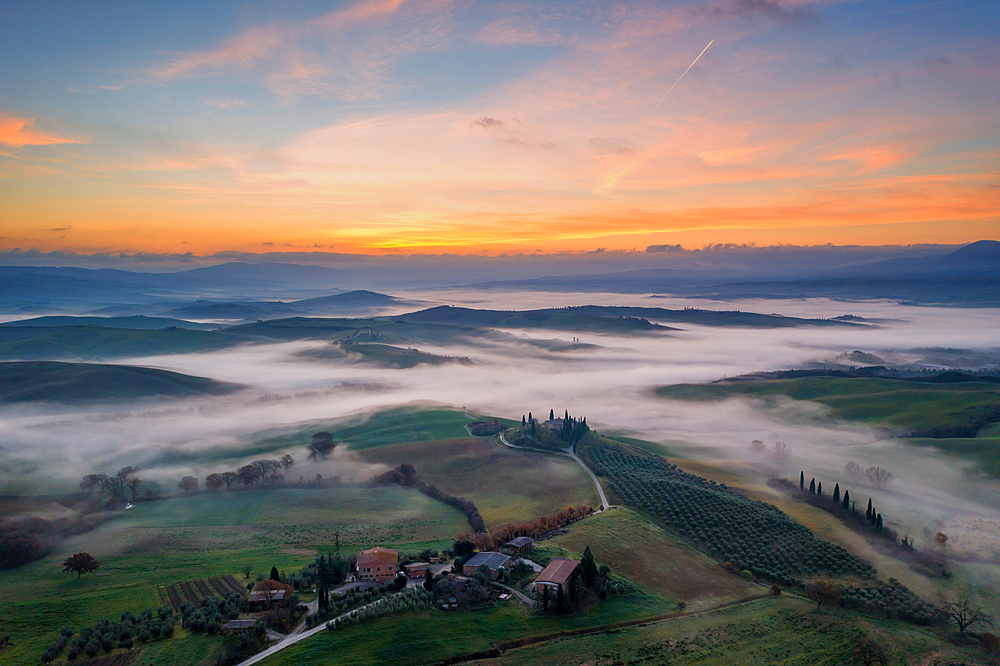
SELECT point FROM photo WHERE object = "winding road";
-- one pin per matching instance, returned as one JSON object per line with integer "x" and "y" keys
{"x": 568, "y": 451}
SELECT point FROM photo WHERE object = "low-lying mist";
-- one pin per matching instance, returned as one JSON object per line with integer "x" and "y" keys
{"x": 49, "y": 447}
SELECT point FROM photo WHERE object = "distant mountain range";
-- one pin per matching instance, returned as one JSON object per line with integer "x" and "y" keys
{"x": 969, "y": 276}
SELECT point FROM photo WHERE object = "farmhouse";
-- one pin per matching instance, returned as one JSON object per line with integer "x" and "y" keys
{"x": 494, "y": 561}
{"x": 238, "y": 626}
{"x": 416, "y": 569}
{"x": 520, "y": 545}
{"x": 261, "y": 597}
{"x": 556, "y": 575}
{"x": 378, "y": 564}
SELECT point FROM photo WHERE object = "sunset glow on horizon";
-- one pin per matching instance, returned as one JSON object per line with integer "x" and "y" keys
{"x": 451, "y": 126}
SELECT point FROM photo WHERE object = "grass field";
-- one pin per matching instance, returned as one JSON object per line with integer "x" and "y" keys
{"x": 654, "y": 559}
{"x": 430, "y": 636}
{"x": 291, "y": 518}
{"x": 397, "y": 425}
{"x": 164, "y": 543}
{"x": 504, "y": 484}
{"x": 782, "y": 630}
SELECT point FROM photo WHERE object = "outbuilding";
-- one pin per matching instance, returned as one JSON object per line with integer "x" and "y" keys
{"x": 493, "y": 561}
{"x": 556, "y": 575}
{"x": 417, "y": 569}
{"x": 520, "y": 545}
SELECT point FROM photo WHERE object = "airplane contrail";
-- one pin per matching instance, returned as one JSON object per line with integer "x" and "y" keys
{"x": 678, "y": 80}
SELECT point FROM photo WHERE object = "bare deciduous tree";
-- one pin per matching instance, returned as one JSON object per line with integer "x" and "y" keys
{"x": 878, "y": 476}
{"x": 287, "y": 461}
{"x": 854, "y": 471}
{"x": 965, "y": 613}
{"x": 870, "y": 652}
{"x": 781, "y": 451}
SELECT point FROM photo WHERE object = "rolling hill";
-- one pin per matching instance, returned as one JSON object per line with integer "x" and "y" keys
{"x": 35, "y": 381}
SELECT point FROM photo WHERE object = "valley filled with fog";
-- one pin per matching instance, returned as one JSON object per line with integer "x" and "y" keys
{"x": 609, "y": 378}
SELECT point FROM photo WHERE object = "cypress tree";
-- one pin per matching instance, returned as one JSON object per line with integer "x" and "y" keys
{"x": 567, "y": 415}
{"x": 878, "y": 523}
{"x": 847, "y": 500}
{"x": 545, "y": 597}
{"x": 552, "y": 415}
{"x": 275, "y": 575}
{"x": 868, "y": 513}
{"x": 532, "y": 428}
{"x": 588, "y": 566}
{"x": 836, "y": 493}
{"x": 529, "y": 418}
{"x": 560, "y": 599}
{"x": 812, "y": 487}
{"x": 524, "y": 421}
{"x": 802, "y": 480}
{"x": 819, "y": 489}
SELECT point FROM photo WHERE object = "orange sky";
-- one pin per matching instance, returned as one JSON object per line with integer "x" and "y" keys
{"x": 447, "y": 127}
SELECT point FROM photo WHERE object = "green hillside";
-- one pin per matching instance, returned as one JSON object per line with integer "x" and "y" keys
{"x": 33, "y": 381}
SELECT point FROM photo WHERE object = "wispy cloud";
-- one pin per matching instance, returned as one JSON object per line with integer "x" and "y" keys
{"x": 347, "y": 53}
{"x": 20, "y": 131}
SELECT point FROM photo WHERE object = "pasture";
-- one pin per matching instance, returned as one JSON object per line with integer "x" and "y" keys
{"x": 429, "y": 636}
{"x": 774, "y": 630}
{"x": 652, "y": 558}
{"x": 507, "y": 486}
{"x": 291, "y": 518}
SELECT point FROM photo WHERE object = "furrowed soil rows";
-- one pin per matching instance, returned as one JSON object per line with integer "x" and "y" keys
{"x": 189, "y": 593}
{"x": 203, "y": 588}
{"x": 220, "y": 587}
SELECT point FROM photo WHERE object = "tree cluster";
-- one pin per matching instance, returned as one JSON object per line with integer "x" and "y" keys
{"x": 212, "y": 615}
{"x": 410, "y": 599}
{"x": 892, "y": 599}
{"x": 81, "y": 563}
{"x": 114, "y": 485}
{"x": 876, "y": 476}
{"x": 263, "y": 471}
{"x": 749, "y": 534}
{"x": 321, "y": 445}
{"x": 406, "y": 475}
{"x": 106, "y": 634}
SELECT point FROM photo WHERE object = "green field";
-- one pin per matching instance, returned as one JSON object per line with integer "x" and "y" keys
{"x": 781, "y": 630}
{"x": 505, "y": 485}
{"x": 397, "y": 425}
{"x": 169, "y": 541}
{"x": 654, "y": 559}
{"x": 429, "y": 636}
{"x": 32, "y": 381}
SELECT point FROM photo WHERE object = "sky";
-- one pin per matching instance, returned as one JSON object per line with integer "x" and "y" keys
{"x": 463, "y": 127}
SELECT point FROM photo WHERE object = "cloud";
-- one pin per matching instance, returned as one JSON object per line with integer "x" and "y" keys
{"x": 488, "y": 123}
{"x": 938, "y": 61}
{"x": 612, "y": 146}
{"x": 771, "y": 10}
{"x": 18, "y": 132}
{"x": 347, "y": 53}
{"x": 661, "y": 249}
{"x": 66, "y": 228}
{"x": 228, "y": 103}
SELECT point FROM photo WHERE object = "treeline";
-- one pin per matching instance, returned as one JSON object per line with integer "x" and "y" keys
{"x": 534, "y": 528}
{"x": 406, "y": 475}
{"x": 28, "y": 539}
{"x": 258, "y": 472}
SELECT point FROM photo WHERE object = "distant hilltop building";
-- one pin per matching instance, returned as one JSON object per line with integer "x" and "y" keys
{"x": 378, "y": 563}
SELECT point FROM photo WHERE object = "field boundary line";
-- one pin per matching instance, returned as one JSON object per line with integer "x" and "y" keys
{"x": 501, "y": 647}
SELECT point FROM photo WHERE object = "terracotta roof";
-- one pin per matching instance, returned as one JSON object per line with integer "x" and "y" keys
{"x": 558, "y": 572}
